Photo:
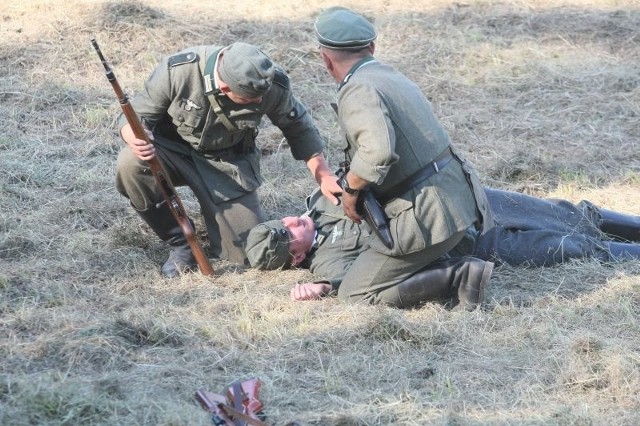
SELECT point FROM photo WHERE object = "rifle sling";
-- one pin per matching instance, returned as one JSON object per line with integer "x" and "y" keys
{"x": 207, "y": 67}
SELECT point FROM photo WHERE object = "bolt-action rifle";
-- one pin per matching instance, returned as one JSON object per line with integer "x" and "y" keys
{"x": 157, "y": 169}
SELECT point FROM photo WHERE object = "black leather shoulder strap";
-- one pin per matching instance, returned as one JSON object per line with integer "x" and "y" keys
{"x": 281, "y": 79}
{"x": 183, "y": 58}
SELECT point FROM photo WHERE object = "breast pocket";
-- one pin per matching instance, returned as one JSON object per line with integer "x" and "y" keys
{"x": 187, "y": 122}
{"x": 351, "y": 235}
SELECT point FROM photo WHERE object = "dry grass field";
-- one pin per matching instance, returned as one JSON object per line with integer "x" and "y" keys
{"x": 542, "y": 96}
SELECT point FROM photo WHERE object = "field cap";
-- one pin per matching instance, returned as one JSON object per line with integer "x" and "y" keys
{"x": 268, "y": 246}
{"x": 342, "y": 28}
{"x": 247, "y": 70}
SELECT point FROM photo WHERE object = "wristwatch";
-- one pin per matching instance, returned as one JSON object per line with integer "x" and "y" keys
{"x": 344, "y": 184}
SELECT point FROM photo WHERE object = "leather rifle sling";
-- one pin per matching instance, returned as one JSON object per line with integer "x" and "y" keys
{"x": 236, "y": 253}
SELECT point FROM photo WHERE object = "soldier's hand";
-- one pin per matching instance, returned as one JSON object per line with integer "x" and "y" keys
{"x": 142, "y": 149}
{"x": 349, "y": 203}
{"x": 310, "y": 291}
{"x": 330, "y": 188}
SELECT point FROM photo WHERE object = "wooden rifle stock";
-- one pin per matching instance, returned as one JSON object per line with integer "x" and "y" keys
{"x": 157, "y": 169}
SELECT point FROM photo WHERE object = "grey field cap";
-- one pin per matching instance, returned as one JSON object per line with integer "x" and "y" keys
{"x": 342, "y": 28}
{"x": 268, "y": 246}
{"x": 247, "y": 70}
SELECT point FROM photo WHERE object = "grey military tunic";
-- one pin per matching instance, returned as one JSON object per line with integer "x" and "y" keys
{"x": 221, "y": 167}
{"x": 392, "y": 133}
{"x": 339, "y": 241}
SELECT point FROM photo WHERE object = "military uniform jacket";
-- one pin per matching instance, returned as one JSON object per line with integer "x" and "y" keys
{"x": 392, "y": 132}
{"x": 338, "y": 243}
{"x": 174, "y": 105}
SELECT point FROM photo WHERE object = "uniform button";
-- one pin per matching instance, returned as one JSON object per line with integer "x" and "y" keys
{"x": 181, "y": 119}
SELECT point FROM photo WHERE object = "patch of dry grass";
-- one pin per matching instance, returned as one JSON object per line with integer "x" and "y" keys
{"x": 542, "y": 96}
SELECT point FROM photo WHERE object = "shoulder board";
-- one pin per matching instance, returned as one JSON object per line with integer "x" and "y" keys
{"x": 281, "y": 79}
{"x": 182, "y": 58}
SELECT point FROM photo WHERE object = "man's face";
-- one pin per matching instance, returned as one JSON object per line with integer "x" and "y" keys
{"x": 301, "y": 233}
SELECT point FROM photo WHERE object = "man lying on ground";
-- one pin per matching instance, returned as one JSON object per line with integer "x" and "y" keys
{"x": 528, "y": 231}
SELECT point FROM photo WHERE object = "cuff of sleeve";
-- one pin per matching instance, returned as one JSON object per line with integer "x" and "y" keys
{"x": 335, "y": 283}
{"x": 370, "y": 172}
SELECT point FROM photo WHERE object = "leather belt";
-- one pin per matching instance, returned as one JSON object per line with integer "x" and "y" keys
{"x": 426, "y": 172}
{"x": 221, "y": 153}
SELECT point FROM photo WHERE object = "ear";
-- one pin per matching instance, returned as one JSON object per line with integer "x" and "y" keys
{"x": 298, "y": 258}
{"x": 372, "y": 47}
{"x": 327, "y": 60}
{"x": 224, "y": 87}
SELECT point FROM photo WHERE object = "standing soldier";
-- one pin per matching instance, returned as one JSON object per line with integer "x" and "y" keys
{"x": 202, "y": 108}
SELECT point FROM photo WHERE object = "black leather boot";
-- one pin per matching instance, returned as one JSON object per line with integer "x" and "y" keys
{"x": 464, "y": 277}
{"x": 161, "y": 221}
{"x": 619, "y": 225}
{"x": 471, "y": 288}
{"x": 623, "y": 251}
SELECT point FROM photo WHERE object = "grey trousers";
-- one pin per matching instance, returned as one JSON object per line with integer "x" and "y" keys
{"x": 227, "y": 222}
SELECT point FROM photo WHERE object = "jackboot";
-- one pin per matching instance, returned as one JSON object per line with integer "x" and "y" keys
{"x": 619, "y": 225}
{"x": 471, "y": 290}
{"x": 464, "y": 277}
{"x": 623, "y": 251}
{"x": 161, "y": 221}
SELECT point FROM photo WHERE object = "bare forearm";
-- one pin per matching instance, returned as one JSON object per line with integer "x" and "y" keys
{"x": 327, "y": 180}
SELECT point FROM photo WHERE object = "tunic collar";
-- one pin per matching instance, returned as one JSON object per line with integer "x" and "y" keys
{"x": 216, "y": 75}
{"x": 318, "y": 236}
{"x": 361, "y": 63}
